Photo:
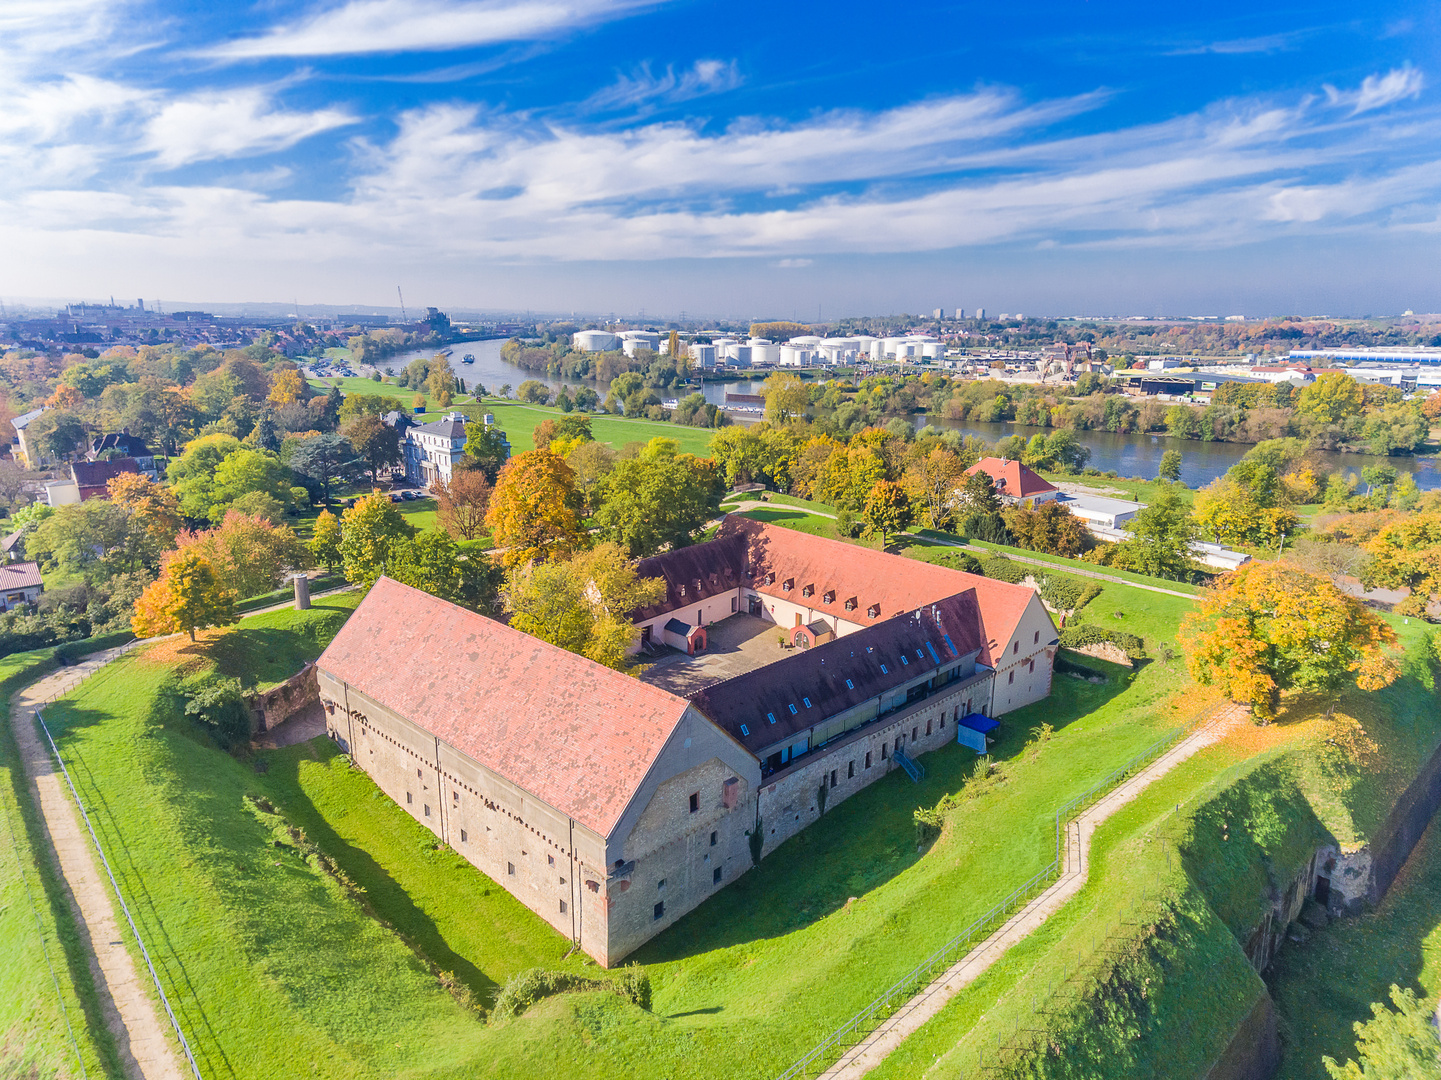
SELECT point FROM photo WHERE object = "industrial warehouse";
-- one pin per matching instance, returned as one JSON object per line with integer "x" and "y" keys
{"x": 611, "y": 805}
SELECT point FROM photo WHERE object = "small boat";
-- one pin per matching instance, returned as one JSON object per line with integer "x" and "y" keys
{"x": 467, "y": 359}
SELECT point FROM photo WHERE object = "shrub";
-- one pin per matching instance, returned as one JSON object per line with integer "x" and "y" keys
{"x": 218, "y": 706}
{"x": 1080, "y": 634}
{"x": 1003, "y": 569}
{"x": 847, "y": 525}
{"x": 527, "y": 988}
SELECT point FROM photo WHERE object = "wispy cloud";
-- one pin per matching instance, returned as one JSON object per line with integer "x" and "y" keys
{"x": 1378, "y": 91}
{"x": 393, "y": 26}
{"x": 232, "y": 124}
{"x": 1267, "y": 43}
{"x": 641, "y": 87}
{"x": 795, "y": 264}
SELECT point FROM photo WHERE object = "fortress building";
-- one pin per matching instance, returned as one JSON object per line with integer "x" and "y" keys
{"x": 612, "y": 805}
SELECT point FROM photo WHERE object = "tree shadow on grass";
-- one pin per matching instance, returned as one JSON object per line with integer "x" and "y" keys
{"x": 859, "y": 845}
{"x": 385, "y": 899}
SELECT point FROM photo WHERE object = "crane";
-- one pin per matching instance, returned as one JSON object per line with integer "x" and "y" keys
{"x": 402, "y": 304}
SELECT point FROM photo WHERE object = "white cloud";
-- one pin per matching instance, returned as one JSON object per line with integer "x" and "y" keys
{"x": 795, "y": 264}
{"x": 641, "y": 87}
{"x": 390, "y": 26}
{"x": 232, "y": 124}
{"x": 1377, "y": 91}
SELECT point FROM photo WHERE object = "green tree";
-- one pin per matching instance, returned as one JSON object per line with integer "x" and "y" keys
{"x": 1393, "y": 1045}
{"x": 94, "y": 539}
{"x": 534, "y": 391}
{"x": 433, "y": 563}
{"x": 326, "y": 459}
{"x": 243, "y": 471}
{"x": 56, "y": 434}
{"x": 369, "y": 534}
{"x": 887, "y": 510}
{"x": 787, "y": 397}
{"x": 583, "y": 603}
{"x": 1332, "y": 398}
{"x": 325, "y": 540}
{"x": 1161, "y": 538}
{"x": 659, "y": 498}
{"x": 192, "y": 474}
{"x": 486, "y": 448}
{"x": 1170, "y": 466}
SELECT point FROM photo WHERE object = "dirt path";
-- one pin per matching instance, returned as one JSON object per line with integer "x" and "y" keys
{"x": 753, "y": 505}
{"x": 867, "y": 1054}
{"x": 141, "y": 1033}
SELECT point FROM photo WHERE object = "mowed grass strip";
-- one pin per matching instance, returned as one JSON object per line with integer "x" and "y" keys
{"x": 45, "y": 978}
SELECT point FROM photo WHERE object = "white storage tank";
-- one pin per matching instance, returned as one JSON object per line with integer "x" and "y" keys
{"x": 738, "y": 355}
{"x": 932, "y": 350}
{"x": 703, "y": 355}
{"x": 594, "y": 341}
{"x": 765, "y": 354}
{"x": 792, "y": 355}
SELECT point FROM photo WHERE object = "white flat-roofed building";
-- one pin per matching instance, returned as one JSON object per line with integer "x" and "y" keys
{"x": 1099, "y": 511}
{"x": 1420, "y": 354}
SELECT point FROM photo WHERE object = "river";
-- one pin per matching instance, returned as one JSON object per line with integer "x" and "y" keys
{"x": 1127, "y": 455}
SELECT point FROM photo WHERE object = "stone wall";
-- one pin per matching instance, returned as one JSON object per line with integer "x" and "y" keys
{"x": 1404, "y": 825}
{"x": 1254, "y": 1052}
{"x": 278, "y": 704}
{"x": 1104, "y": 650}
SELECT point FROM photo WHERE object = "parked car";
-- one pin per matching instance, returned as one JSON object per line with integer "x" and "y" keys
{"x": 409, "y": 496}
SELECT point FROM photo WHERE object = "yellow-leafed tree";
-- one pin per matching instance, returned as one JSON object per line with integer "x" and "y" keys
{"x": 186, "y": 597}
{"x": 534, "y": 510}
{"x": 1271, "y": 627}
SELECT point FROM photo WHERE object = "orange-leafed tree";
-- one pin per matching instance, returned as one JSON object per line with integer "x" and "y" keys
{"x": 247, "y": 554}
{"x": 534, "y": 510}
{"x": 1271, "y": 627}
{"x": 286, "y": 387}
{"x": 185, "y": 598}
{"x": 153, "y": 507}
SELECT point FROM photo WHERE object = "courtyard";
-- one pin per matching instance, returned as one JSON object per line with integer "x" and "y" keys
{"x": 736, "y": 645}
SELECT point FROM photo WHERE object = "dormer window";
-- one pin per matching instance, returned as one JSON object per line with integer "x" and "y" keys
{"x": 682, "y": 590}
{"x": 788, "y": 585}
{"x": 829, "y": 597}
{"x": 809, "y": 590}
{"x": 904, "y": 659}
{"x": 874, "y": 610}
{"x": 770, "y": 579}
{"x": 851, "y": 604}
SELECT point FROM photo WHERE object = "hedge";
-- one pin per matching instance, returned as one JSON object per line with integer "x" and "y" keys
{"x": 1066, "y": 593}
{"x": 1080, "y": 634}
{"x": 523, "y": 990}
{"x": 1003, "y": 569}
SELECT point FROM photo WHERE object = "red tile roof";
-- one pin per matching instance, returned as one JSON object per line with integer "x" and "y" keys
{"x": 19, "y": 575}
{"x": 571, "y": 732}
{"x": 893, "y": 582}
{"x": 1012, "y": 478}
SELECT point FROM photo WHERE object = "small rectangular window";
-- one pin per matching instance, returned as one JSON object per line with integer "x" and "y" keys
{"x": 563, "y": 908}
{"x": 510, "y": 869}
{"x": 745, "y": 730}
{"x": 868, "y": 759}
{"x": 851, "y": 770}
{"x": 694, "y": 802}
{"x": 883, "y": 670}
{"x": 771, "y": 717}
{"x": 712, "y": 839}
{"x": 660, "y": 885}
{"x": 455, "y": 797}
{"x": 833, "y": 778}
{"x": 419, "y": 775}
{"x": 914, "y": 732}
{"x": 658, "y": 910}
{"x": 905, "y": 660}
{"x": 715, "y": 876}
{"x": 462, "y": 836}
{"x": 793, "y": 710}
{"x": 928, "y": 727}
{"x": 427, "y": 809}
{"x": 550, "y": 860}
{"x": 409, "y": 798}
{"x": 1037, "y": 639}
{"x": 850, "y": 685}
{"x": 884, "y": 748}
{"x": 1011, "y": 678}
{"x": 807, "y": 702}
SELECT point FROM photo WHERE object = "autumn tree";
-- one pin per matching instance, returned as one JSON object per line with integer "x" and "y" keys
{"x": 325, "y": 540}
{"x": 153, "y": 508}
{"x": 887, "y": 510}
{"x": 1332, "y": 398}
{"x": 286, "y": 387}
{"x": 1049, "y": 527}
{"x": 786, "y": 397}
{"x": 376, "y": 443}
{"x": 1406, "y": 554}
{"x": 247, "y": 553}
{"x": 931, "y": 480}
{"x": 461, "y": 504}
{"x": 369, "y": 533}
{"x": 185, "y": 598}
{"x": 582, "y": 603}
{"x": 658, "y": 499}
{"x": 534, "y": 509}
{"x": 1271, "y": 627}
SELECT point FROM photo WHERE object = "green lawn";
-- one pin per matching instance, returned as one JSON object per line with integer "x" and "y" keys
{"x": 1145, "y": 491}
{"x": 269, "y": 954}
{"x": 46, "y": 992}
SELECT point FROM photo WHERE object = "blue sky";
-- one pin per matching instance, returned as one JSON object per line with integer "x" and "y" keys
{"x": 735, "y": 158}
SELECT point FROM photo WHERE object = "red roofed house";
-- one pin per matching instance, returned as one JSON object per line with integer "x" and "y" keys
{"x": 611, "y": 806}
{"x": 1014, "y": 482}
{"x": 20, "y": 585}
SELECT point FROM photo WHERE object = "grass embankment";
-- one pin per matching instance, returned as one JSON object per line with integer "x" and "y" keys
{"x": 267, "y": 953}
{"x": 46, "y": 991}
{"x": 1242, "y": 818}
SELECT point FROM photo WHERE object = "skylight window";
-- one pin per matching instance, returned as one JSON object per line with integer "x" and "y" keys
{"x": 745, "y": 730}
{"x": 807, "y": 702}
{"x": 850, "y": 685}
{"x": 771, "y": 717}
{"x": 905, "y": 659}
{"x": 792, "y": 709}
{"x": 883, "y": 670}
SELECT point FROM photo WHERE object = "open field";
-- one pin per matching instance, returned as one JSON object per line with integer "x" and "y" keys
{"x": 749, "y": 980}
{"x": 50, "y": 1020}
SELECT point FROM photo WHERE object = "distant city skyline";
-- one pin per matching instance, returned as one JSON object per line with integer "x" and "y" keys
{"x": 797, "y": 161}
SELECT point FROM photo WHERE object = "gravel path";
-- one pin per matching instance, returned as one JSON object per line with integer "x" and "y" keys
{"x": 867, "y": 1054}
{"x": 141, "y": 1034}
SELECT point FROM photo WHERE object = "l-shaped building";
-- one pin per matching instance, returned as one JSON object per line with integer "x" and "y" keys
{"x": 611, "y": 807}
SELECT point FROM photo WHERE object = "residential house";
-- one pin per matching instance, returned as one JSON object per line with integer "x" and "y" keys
{"x": 125, "y": 445}
{"x": 88, "y": 480}
{"x": 1015, "y": 483}
{"x": 20, "y": 585}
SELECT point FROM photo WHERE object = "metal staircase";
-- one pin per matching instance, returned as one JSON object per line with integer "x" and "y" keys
{"x": 914, "y": 769}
